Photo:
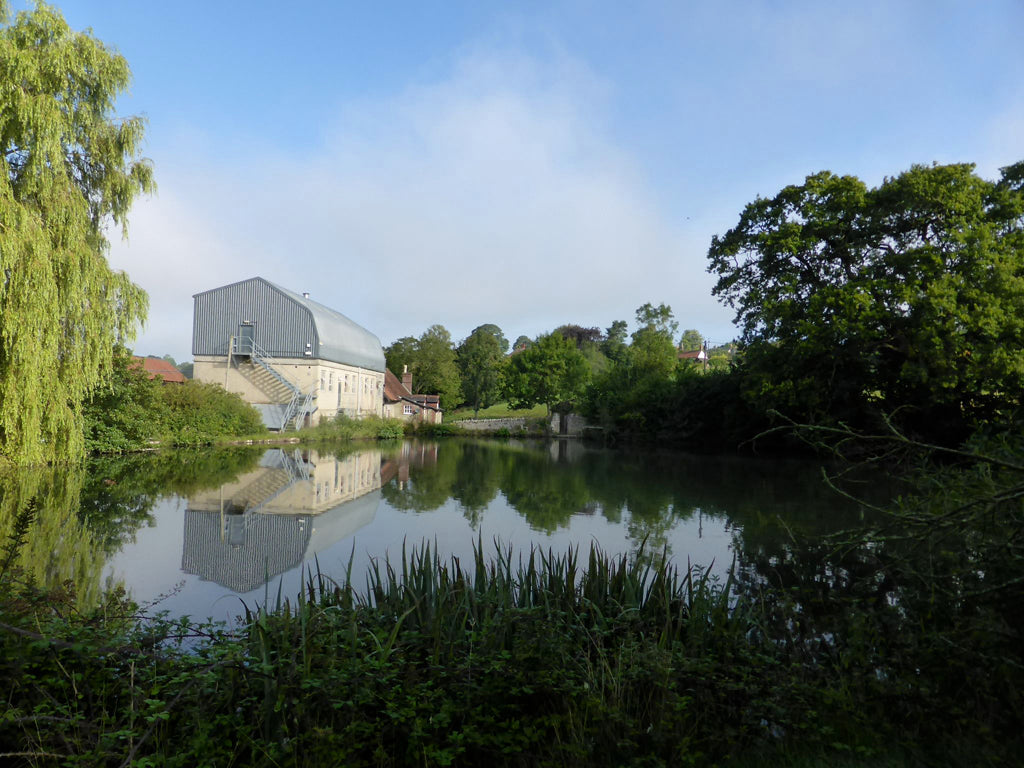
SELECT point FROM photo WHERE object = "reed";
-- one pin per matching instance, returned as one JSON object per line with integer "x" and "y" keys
{"x": 509, "y": 659}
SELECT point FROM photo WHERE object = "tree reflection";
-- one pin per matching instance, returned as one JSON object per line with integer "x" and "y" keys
{"x": 764, "y": 501}
{"x": 60, "y": 547}
{"x": 84, "y": 513}
{"x": 478, "y": 474}
{"x": 119, "y": 492}
{"x": 425, "y": 476}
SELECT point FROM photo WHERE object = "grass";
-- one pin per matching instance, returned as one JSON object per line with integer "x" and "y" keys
{"x": 498, "y": 411}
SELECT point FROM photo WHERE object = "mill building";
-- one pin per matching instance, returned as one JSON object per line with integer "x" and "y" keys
{"x": 297, "y": 361}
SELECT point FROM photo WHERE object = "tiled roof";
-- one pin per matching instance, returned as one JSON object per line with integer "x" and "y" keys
{"x": 154, "y": 367}
{"x": 394, "y": 390}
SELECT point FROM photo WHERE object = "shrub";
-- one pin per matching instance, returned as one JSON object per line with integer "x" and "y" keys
{"x": 197, "y": 411}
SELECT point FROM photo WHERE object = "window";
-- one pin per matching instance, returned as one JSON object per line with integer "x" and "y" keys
{"x": 408, "y": 410}
{"x": 330, "y": 381}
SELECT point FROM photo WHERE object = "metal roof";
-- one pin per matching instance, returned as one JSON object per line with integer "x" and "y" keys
{"x": 288, "y": 325}
{"x": 341, "y": 339}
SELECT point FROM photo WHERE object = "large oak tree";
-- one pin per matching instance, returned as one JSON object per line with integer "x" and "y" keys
{"x": 908, "y": 296}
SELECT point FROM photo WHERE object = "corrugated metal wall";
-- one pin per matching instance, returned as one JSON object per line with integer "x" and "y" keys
{"x": 282, "y": 328}
{"x": 253, "y": 548}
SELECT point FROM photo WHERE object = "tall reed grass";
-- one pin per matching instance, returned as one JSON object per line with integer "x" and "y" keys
{"x": 509, "y": 659}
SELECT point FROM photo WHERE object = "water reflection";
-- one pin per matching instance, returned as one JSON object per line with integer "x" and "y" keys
{"x": 269, "y": 520}
{"x": 205, "y": 526}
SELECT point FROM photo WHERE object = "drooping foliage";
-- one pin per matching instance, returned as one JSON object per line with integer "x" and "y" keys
{"x": 855, "y": 300}
{"x": 68, "y": 171}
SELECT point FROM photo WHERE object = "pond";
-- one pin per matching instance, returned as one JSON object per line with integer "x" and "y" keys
{"x": 201, "y": 533}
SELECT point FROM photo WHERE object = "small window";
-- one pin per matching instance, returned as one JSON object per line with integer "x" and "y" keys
{"x": 408, "y": 410}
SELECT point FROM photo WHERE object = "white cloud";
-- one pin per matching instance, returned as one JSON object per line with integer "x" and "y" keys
{"x": 494, "y": 196}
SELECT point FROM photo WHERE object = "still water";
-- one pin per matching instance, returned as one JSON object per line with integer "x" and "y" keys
{"x": 201, "y": 533}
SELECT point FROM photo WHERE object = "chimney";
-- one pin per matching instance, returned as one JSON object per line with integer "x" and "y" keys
{"x": 406, "y": 378}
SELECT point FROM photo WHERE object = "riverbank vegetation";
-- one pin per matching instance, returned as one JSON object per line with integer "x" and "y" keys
{"x": 69, "y": 169}
{"x": 132, "y": 412}
{"x": 883, "y": 322}
{"x": 536, "y": 658}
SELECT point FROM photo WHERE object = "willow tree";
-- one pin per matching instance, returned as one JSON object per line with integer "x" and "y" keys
{"x": 68, "y": 173}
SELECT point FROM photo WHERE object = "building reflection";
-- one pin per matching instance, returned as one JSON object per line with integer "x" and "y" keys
{"x": 411, "y": 454}
{"x": 268, "y": 521}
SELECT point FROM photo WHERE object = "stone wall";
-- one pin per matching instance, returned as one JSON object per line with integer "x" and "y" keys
{"x": 491, "y": 425}
{"x": 574, "y": 424}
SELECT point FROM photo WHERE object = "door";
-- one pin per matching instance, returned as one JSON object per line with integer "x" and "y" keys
{"x": 246, "y": 336}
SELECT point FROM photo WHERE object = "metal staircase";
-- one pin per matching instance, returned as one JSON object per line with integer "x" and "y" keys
{"x": 283, "y": 470}
{"x": 264, "y": 375}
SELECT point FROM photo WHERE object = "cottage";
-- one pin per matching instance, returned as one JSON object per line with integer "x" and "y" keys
{"x": 401, "y": 403}
{"x": 296, "y": 360}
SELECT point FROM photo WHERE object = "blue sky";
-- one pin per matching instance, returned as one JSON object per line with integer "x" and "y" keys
{"x": 527, "y": 164}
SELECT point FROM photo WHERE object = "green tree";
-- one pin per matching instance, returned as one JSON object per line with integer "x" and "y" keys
{"x": 551, "y": 371}
{"x": 658, "y": 318}
{"x": 68, "y": 171}
{"x": 496, "y": 332}
{"x": 653, "y": 352}
{"x": 434, "y": 369}
{"x": 522, "y": 342}
{"x": 400, "y": 353}
{"x": 481, "y": 363}
{"x": 126, "y": 412}
{"x": 854, "y": 300}
{"x": 691, "y": 340}
{"x": 614, "y": 344}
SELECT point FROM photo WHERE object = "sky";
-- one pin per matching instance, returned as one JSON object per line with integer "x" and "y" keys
{"x": 526, "y": 164}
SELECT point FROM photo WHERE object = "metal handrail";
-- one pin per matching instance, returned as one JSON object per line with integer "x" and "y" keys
{"x": 293, "y": 411}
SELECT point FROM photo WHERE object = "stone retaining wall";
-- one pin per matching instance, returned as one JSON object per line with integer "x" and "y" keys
{"x": 574, "y": 425}
{"x": 491, "y": 425}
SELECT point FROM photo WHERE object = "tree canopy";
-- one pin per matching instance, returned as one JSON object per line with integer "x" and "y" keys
{"x": 579, "y": 335}
{"x": 481, "y": 362}
{"x": 550, "y": 371}
{"x": 68, "y": 171}
{"x": 399, "y": 354}
{"x": 854, "y": 299}
{"x": 434, "y": 367}
{"x": 691, "y": 340}
{"x": 494, "y": 331}
{"x": 653, "y": 352}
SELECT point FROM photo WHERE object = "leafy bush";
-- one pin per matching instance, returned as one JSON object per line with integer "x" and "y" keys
{"x": 132, "y": 411}
{"x": 196, "y": 412}
{"x": 343, "y": 427}
{"x": 125, "y": 413}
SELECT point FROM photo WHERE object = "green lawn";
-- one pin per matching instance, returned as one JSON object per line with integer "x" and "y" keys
{"x": 499, "y": 411}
